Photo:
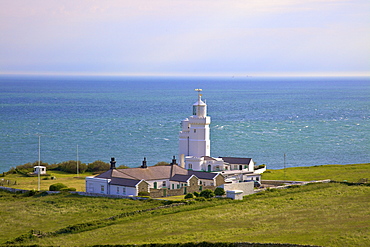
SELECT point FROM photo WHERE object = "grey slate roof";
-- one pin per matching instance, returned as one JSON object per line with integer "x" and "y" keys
{"x": 124, "y": 182}
{"x": 236, "y": 160}
{"x": 180, "y": 178}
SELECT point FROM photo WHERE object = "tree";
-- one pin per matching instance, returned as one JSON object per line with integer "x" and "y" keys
{"x": 98, "y": 166}
{"x": 71, "y": 166}
{"x": 207, "y": 193}
{"x": 219, "y": 191}
{"x": 162, "y": 163}
{"x": 122, "y": 167}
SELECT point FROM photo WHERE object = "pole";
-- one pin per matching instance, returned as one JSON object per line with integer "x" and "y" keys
{"x": 39, "y": 170}
{"x": 77, "y": 161}
{"x": 284, "y": 167}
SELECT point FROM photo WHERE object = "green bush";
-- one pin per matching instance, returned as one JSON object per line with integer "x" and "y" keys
{"x": 219, "y": 191}
{"x": 98, "y": 166}
{"x": 196, "y": 194}
{"x": 162, "y": 163}
{"x": 200, "y": 199}
{"x": 143, "y": 193}
{"x": 71, "y": 167}
{"x": 122, "y": 167}
{"x": 189, "y": 196}
{"x": 57, "y": 187}
{"x": 207, "y": 193}
{"x": 68, "y": 189}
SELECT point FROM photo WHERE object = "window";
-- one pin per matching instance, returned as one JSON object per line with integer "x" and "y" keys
{"x": 190, "y": 166}
{"x": 102, "y": 188}
{"x": 117, "y": 190}
{"x": 155, "y": 185}
{"x": 178, "y": 186}
{"x": 195, "y": 131}
{"x": 124, "y": 191}
{"x": 164, "y": 184}
{"x": 173, "y": 186}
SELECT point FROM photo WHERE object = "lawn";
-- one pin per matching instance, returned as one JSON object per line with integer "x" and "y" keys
{"x": 31, "y": 183}
{"x": 316, "y": 214}
{"x": 350, "y": 173}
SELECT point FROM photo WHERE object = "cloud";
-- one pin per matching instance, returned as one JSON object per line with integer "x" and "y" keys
{"x": 184, "y": 36}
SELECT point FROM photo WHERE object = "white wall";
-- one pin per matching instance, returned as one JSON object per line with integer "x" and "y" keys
{"x": 123, "y": 190}
{"x": 159, "y": 183}
{"x": 97, "y": 185}
{"x": 246, "y": 187}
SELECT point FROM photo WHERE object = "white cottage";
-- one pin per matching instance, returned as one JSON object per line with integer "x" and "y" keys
{"x": 39, "y": 170}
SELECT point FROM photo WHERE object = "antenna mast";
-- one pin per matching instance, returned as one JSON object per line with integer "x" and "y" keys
{"x": 39, "y": 170}
{"x": 77, "y": 161}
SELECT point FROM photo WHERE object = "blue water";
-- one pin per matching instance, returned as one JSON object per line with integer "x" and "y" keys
{"x": 314, "y": 121}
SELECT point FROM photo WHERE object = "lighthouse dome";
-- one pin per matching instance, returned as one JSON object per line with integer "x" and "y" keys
{"x": 200, "y": 108}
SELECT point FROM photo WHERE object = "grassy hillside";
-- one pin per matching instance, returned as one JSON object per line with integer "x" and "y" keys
{"x": 31, "y": 183}
{"x": 350, "y": 173}
{"x": 316, "y": 214}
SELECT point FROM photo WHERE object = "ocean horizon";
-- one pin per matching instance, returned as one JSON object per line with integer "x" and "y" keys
{"x": 313, "y": 120}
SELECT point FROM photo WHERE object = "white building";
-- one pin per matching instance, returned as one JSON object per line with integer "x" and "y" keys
{"x": 39, "y": 170}
{"x": 195, "y": 148}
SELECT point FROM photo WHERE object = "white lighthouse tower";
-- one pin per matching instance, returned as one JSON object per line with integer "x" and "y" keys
{"x": 194, "y": 138}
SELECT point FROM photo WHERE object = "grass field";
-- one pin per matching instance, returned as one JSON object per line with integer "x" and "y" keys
{"x": 31, "y": 183}
{"x": 350, "y": 173}
{"x": 316, "y": 214}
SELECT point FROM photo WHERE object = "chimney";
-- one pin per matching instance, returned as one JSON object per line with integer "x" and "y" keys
{"x": 174, "y": 160}
{"x": 112, "y": 163}
{"x": 144, "y": 163}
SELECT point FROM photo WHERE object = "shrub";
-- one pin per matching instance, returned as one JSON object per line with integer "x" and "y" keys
{"x": 162, "y": 163}
{"x": 98, "y": 166}
{"x": 57, "y": 187}
{"x": 207, "y": 193}
{"x": 200, "y": 199}
{"x": 71, "y": 167}
{"x": 143, "y": 193}
{"x": 219, "y": 191}
{"x": 68, "y": 189}
{"x": 189, "y": 196}
{"x": 122, "y": 167}
{"x": 196, "y": 194}
{"x": 30, "y": 193}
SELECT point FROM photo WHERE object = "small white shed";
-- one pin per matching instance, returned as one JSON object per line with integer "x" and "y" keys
{"x": 39, "y": 170}
{"x": 235, "y": 194}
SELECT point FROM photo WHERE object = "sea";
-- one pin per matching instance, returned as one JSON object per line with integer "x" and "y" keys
{"x": 277, "y": 121}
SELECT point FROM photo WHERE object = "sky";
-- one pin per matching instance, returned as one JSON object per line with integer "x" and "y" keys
{"x": 178, "y": 37}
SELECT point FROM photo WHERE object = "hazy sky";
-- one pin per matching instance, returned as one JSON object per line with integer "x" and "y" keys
{"x": 244, "y": 37}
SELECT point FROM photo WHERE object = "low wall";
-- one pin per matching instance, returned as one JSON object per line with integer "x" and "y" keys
{"x": 156, "y": 193}
{"x": 13, "y": 190}
{"x": 246, "y": 187}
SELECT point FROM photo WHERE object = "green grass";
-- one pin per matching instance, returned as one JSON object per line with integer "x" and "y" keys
{"x": 316, "y": 214}
{"x": 350, "y": 173}
{"x": 31, "y": 183}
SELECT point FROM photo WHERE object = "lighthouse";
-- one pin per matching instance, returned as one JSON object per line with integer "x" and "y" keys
{"x": 194, "y": 137}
